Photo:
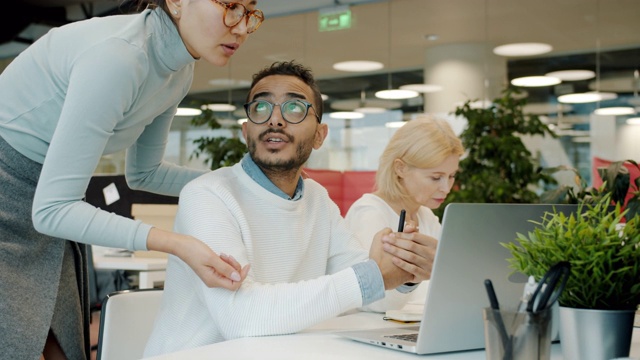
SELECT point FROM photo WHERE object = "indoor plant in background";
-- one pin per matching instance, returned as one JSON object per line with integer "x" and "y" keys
{"x": 498, "y": 168}
{"x": 217, "y": 151}
{"x": 598, "y": 305}
{"x": 616, "y": 179}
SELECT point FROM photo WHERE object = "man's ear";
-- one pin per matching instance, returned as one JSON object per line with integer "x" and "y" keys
{"x": 244, "y": 131}
{"x": 321, "y": 133}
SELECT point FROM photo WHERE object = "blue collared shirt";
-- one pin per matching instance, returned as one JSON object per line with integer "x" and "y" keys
{"x": 254, "y": 172}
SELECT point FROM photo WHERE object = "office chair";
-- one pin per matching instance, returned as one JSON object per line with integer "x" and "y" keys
{"x": 126, "y": 322}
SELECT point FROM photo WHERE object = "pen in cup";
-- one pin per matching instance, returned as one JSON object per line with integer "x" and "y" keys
{"x": 529, "y": 288}
{"x": 502, "y": 330}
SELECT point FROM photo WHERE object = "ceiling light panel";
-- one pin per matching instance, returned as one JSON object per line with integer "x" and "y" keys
{"x": 572, "y": 75}
{"x": 522, "y": 49}
{"x": 220, "y": 107}
{"x": 358, "y": 66}
{"x": 422, "y": 88}
{"x": 587, "y": 97}
{"x": 535, "y": 81}
{"x": 615, "y": 110}
{"x": 396, "y": 94}
{"x": 346, "y": 115}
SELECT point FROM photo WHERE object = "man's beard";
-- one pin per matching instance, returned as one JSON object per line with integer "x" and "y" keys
{"x": 303, "y": 151}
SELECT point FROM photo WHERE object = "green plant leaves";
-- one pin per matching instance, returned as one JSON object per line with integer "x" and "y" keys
{"x": 604, "y": 255}
{"x": 498, "y": 168}
{"x": 217, "y": 151}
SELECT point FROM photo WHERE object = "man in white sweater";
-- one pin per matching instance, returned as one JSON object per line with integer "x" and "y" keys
{"x": 306, "y": 266}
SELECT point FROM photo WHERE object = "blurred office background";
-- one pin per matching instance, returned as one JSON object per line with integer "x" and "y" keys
{"x": 448, "y": 50}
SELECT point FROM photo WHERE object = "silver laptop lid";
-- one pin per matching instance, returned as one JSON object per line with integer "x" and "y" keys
{"x": 469, "y": 252}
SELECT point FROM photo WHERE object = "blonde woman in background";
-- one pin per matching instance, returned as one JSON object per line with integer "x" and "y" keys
{"x": 416, "y": 172}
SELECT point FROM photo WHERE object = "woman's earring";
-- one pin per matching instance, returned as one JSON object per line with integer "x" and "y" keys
{"x": 175, "y": 12}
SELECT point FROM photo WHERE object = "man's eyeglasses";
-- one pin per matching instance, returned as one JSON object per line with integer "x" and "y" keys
{"x": 234, "y": 12}
{"x": 293, "y": 111}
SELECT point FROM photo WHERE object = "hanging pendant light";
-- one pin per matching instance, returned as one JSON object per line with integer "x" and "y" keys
{"x": 228, "y": 106}
{"x": 184, "y": 111}
{"x": 358, "y": 66}
{"x": 346, "y": 115}
{"x": 367, "y": 108}
{"x": 633, "y": 121}
{"x": 616, "y": 110}
{"x": 391, "y": 93}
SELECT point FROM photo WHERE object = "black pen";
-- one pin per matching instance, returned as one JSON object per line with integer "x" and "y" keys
{"x": 403, "y": 213}
{"x": 491, "y": 293}
{"x": 504, "y": 336}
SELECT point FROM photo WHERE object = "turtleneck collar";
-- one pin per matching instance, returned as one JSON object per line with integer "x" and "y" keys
{"x": 169, "y": 47}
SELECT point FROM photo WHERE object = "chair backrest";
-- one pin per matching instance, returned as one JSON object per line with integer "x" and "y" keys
{"x": 344, "y": 187}
{"x": 356, "y": 184}
{"x": 126, "y": 322}
{"x": 597, "y": 180}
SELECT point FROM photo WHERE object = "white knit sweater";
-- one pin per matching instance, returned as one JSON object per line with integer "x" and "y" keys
{"x": 300, "y": 254}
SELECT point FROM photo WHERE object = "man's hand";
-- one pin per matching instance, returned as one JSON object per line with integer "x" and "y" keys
{"x": 392, "y": 275}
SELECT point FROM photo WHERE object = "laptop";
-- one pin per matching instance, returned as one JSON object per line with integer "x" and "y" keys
{"x": 469, "y": 251}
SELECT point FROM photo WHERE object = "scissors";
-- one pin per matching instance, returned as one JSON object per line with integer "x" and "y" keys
{"x": 550, "y": 287}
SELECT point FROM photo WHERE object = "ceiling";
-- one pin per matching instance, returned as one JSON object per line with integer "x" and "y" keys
{"x": 601, "y": 35}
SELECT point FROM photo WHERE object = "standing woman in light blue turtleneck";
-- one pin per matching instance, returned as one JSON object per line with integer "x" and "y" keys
{"x": 83, "y": 90}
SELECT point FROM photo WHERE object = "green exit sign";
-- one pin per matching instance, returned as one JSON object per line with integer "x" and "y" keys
{"x": 334, "y": 18}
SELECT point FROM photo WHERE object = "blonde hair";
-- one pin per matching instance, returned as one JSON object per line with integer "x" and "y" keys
{"x": 424, "y": 143}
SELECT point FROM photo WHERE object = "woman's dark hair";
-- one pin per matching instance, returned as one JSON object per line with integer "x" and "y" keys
{"x": 136, "y": 6}
{"x": 143, "y": 4}
{"x": 291, "y": 68}
{"x": 140, "y": 5}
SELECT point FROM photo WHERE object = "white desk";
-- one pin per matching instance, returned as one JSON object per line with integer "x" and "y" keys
{"x": 318, "y": 343}
{"x": 150, "y": 270}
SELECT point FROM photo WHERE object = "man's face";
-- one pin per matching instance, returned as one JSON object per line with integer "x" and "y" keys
{"x": 277, "y": 144}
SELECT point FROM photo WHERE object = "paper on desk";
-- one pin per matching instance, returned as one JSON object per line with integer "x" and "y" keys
{"x": 404, "y": 315}
{"x": 118, "y": 253}
{"x": 413, "y": 309}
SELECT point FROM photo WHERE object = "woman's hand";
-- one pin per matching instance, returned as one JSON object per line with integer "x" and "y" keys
{"x": 412, "y": 251}
{"x": 215, "y": 271}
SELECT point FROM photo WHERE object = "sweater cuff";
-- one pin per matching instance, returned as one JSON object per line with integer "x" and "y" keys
{"x": 370, "y": 281}
{"x": 142, "y": 233}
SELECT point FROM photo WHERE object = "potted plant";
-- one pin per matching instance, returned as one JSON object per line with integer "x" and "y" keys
{"x": 598, "y": 304}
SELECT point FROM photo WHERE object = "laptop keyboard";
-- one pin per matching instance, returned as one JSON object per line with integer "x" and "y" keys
{"x": 405, "y": 337}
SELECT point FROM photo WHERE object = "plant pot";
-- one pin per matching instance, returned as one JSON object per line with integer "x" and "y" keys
{"x": 595, "y": 334}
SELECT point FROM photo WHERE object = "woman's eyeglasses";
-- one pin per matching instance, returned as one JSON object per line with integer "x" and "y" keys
{"x": 234, "y": 12}
{"x": 293, "y": 111}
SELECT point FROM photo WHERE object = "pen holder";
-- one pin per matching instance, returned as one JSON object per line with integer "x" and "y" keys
{"x": 511, "y": 335}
